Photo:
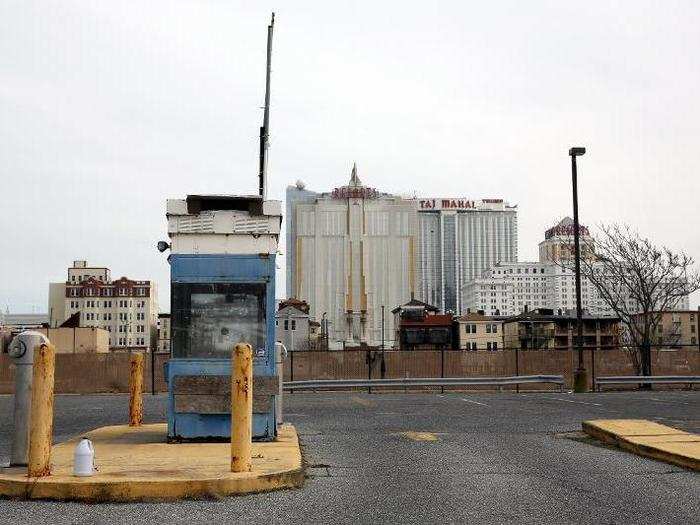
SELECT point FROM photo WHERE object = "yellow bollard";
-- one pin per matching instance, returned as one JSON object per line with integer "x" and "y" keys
{"x": 241, "y": 407}
{"x": 41, "y": 426}
{"x": 136, "y": 390}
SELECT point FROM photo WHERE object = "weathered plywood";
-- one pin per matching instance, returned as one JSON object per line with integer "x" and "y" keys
{"x": 217, "y": 404}
{"x": 216, "y": 385}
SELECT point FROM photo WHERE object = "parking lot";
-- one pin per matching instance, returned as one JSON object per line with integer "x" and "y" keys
{"x": 424, "y": 458}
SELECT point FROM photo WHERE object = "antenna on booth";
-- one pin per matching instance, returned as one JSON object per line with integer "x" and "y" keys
{"x": 265, "y": 128}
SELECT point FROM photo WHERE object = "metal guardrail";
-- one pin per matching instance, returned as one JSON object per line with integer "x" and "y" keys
{"x": 633, "y": 380}
{"x": 341, "y": 384}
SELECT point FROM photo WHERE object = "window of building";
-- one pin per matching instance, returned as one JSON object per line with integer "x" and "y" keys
{"x": 488, "y": 330}
{"x": 494, "y": 346}
{"x": 286, "y": 324}
{"x": 294, "y": 324}
{"x": 474, "y": 345}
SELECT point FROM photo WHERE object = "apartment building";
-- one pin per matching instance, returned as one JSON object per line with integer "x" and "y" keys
{"x": 545, "y": 329}
{"x": 675, "y": 328}
{"x": 126, "y": 308}
{"x": 476, "y": 331}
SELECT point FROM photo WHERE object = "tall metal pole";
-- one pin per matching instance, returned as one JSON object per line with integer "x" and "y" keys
{"x": 265, "y": 128}
{"x": 580, "y": 379}
{"x": 383, "y": 365}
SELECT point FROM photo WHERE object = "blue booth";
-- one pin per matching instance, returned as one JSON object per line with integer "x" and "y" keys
{"x": 220, "y": 298}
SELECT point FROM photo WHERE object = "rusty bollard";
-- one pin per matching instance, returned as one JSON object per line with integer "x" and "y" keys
{"x": 135, "y": 390}
{"x": 241, "y": 407}
{"x": 41, "y": 426}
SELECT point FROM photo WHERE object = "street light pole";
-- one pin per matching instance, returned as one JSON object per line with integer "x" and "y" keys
{"x": 580, "y": 377}
{"x": 383, "y": 365}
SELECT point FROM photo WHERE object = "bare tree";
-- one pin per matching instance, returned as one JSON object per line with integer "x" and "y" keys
{"x": 638, "y": 281}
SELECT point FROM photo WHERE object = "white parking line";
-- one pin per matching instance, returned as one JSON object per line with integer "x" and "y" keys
{"x": 668, "y": 401}
{"x": 572, "y": 401}
{"x": 475, "y": 402}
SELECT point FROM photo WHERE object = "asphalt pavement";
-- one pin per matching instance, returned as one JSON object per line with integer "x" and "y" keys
{"x": 423, "y": 458}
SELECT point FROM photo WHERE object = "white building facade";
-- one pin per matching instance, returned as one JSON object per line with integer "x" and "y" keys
{"x": 509, "y": 289}
{"x": 458, "y": 240}
{"x": 127, "y": 309}
{"x": 163, "y": 345}
{"x": 350, "y": 253}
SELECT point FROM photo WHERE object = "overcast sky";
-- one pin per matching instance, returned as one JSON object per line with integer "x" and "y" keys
{"x": 109, "y": 108}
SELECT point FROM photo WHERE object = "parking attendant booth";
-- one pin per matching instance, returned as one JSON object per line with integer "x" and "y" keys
{"x": 222, "y": 266}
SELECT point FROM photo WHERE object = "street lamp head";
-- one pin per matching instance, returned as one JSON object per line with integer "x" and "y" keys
{"x": 577, "y": 152}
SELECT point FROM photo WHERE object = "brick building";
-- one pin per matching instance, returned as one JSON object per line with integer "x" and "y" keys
{"x": 126, "y": 308}
{"x": 420, "y": 326}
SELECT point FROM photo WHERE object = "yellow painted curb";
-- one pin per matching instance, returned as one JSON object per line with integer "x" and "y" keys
{"x": 137, "y": 464}
{"x": 648, "y": 439}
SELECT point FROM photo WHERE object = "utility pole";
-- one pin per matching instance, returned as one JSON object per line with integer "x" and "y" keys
{"x": 580, "y": 378}
{"x": 265, "y": 128}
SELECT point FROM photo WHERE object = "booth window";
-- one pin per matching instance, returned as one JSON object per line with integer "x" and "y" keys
{"x": 209, "y": 319}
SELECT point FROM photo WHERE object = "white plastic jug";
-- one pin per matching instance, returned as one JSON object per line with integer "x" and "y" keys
{"x": 84, "y": 458}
